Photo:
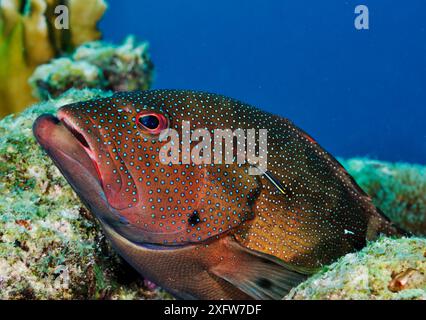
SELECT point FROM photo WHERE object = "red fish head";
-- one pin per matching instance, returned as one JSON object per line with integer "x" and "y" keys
{"x": 122, "y": 142}
{"x": 109, "y": 151}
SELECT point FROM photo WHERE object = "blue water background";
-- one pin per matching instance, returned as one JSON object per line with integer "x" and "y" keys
{"x": 359, "y": 93}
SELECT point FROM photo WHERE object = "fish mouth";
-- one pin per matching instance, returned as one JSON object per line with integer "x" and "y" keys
{"x": 82, "y": 141}
{"x": 73, "y": 148}
{"x": 71, "y": 152}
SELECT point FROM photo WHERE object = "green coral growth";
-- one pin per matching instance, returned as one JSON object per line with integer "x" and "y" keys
{"x": 50, "y": 246}
{"x": 385, "y": 269}
{"x": 398, "y": 189}
{"x": 100, "y": 65}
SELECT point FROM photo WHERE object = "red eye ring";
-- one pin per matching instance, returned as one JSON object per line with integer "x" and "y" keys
{"x": 152, "y": 122}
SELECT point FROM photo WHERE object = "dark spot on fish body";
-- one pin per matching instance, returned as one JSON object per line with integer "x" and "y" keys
{"x": 194, "y": 219}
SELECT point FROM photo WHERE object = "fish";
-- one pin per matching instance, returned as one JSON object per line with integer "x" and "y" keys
{"x": 209, "y": 230}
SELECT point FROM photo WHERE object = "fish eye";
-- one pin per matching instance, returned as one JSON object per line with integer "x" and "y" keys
{"x": 151, "y": 122}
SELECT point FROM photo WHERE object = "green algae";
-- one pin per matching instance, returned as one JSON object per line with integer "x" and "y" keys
{"x": 368, "y": 274}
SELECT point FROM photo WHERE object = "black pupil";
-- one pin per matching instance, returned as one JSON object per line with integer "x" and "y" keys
{"x": 150, "y": 122}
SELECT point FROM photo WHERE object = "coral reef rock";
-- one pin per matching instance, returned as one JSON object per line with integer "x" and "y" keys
{"x": 51, "y": 247}
{"x": 28, "y": 38}
{"x": 398, "y": 189}
{"x": 96, "y": 65}
{"x": 385, "y": 269}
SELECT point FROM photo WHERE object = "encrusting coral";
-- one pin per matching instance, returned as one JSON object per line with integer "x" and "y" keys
{"x": 51, "y": 247}
{"x": 100, "y": 65}
{"x": 398, "y": 189}
{"x": 28, "y": 38}
{"x": 385, "y": 269}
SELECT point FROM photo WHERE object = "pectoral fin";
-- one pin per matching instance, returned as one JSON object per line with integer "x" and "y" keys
{"x": 259, "y": 275}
